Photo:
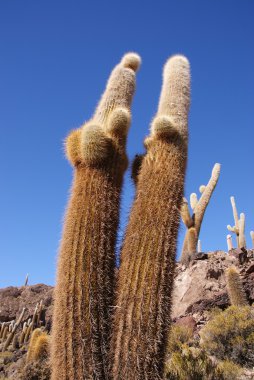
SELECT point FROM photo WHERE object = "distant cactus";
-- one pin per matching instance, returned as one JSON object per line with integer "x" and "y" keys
{"x": 13, "y": 330}
{"x": 229, "y": 242}
{"x": 239, "y": 227}
{"x": 252, "y": 237}
{"x": 198, "y": 206}
{"x": 145, "y": 278}
{"x": 26, "y": 280}
{"x": 235, "y": 288}
{"x": 242, "y": 240}
{"x": 199, "y": 246}
{"x": 192, "y": 240}
{"x": 85, "y": 278}
{"x": 23, "y": 333}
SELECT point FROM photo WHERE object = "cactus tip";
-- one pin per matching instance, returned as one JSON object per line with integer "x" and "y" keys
{"x": 131, "y": 61}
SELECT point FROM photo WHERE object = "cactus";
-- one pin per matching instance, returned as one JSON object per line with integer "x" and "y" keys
{"x": 199, "y": 246}
{"x": 26, "y": 280}
{"x": 23, "y": 333}
{"x": 235, "y": 289}
{"x": 192, "y": 240}
{"x": 229, "y": 242}
{"x": 252, "y": 237}
{"x": 198, "y": 207}
{"x": 42, "y": 347}
{"x": 13, "y": 330}
{"x": 85, "y": 278}
{"x": 242, "y": 240}
{"x": 235, "y": 228}
{"x": 38, "y": 346}
{"x": 142, "y": 310}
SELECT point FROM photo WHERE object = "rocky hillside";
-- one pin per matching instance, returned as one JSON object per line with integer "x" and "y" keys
{"x": 199, "y": 287}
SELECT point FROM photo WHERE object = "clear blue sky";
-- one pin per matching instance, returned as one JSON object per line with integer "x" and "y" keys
{"x": 55, "y": 58}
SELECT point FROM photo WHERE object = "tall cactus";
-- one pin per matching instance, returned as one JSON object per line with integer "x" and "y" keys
{"x": 142, "y": 310}
{"x": 198, "y": 206}
{"x": 85, "y": 276}
{"x": 235, "y": 288}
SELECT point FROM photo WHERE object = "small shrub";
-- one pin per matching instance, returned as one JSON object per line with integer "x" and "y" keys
{"x": 230, "y": 335}
{"x": 227, "y": 370}
{"x": 189, "y": 364}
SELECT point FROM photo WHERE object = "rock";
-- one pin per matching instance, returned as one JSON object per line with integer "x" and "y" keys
{"x": 202, "y": 285}
{"x": 250, "y": 268}
{"x": 13, "y": 299}
{"x": 188, "y": 321}
{"x": 199, "y": 256}
{"x": 240, "y": 254}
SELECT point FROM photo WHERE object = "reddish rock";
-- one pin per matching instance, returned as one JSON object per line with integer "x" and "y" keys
{"x": 187, "y": 321}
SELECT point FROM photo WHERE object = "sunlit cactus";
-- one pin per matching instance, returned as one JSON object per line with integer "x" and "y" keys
{"x": 235, "y": 289}
{"x": 229, "y": 242}
{"x": 198, "y": 206}
{"x": 85, "y": 275}
{"x": 242, "y": 240}
{"x": 145, "y": 278}
{"x": 13, "y": 330}
{"x": 252, "y": 237}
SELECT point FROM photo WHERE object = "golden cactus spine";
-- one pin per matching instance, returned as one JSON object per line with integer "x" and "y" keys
{"x": 235, "y": 288}
{"x": 198, "y": 206}
{"x": 142, "y": 310}
{"x": 85, "y": 275}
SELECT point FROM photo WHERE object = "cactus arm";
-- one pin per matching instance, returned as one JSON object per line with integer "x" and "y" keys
{"x": 235, "y": 213}
{"x": 205, "y": 197}
{"x": 193, "y": 201}
{"x": 229, "y": 242}
{"x": 142, "y": 312}
{"x": 185, "y": 214}
{"x": 86, "y": 264}
{"x": 241, "y": 224}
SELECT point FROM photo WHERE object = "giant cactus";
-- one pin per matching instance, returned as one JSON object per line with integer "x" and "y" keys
{"x": 85, "y": 276}
{"x": 195, "y": 220}
{"x": 142, "y": 309}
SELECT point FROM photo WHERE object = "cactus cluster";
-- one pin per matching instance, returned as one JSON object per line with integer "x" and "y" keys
{"x": 239, "y": 227}
{"x": 193, "y": 222}
{"x": 15, "y": 334}
{"x": 87, "y": 341}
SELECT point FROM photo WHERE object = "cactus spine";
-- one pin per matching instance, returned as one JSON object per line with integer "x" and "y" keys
{"x": 142, "y": 312}
{"x": 236, "y": 292}
{"x": 85, "y": 276}
{"x": 198, "y": 207}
